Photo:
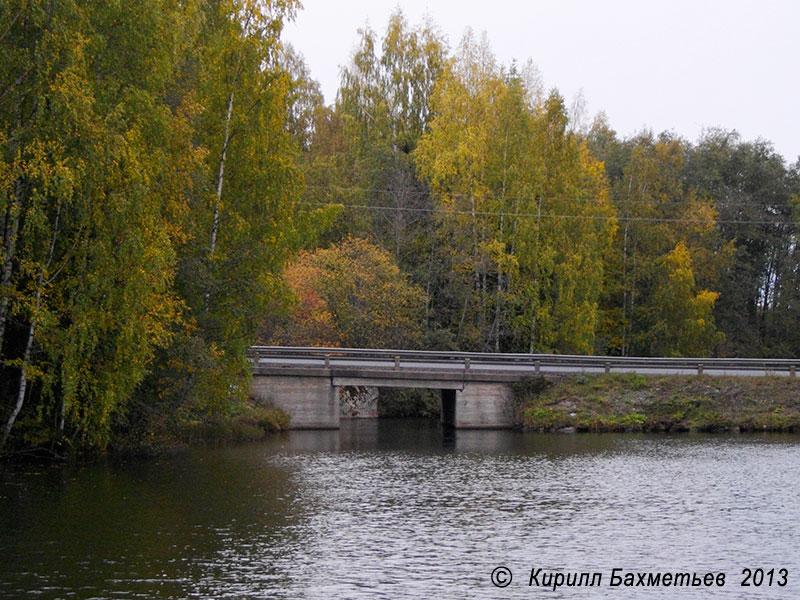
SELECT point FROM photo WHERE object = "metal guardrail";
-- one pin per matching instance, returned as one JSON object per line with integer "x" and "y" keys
{"x": 534, "y": 362}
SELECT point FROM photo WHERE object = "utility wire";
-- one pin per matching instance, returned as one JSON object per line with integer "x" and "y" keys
{"x": 723, "y": 202}
{"x": 479, "y": 213}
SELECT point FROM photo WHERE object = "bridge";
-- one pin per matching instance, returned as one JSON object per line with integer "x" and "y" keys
{"x": 314, "y": 384}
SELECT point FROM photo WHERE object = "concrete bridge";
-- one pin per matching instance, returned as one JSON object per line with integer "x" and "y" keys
{"x": 314, "y": 384}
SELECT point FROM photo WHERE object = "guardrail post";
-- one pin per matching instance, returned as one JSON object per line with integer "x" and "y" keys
{"x": 327, "y": 361}
{"x": 792, "y": 371}
{"x": 537, "y": 366}
{"x": 699, "y": 368}
{"x": 396, "y": 363}
{"x": 608, "y": 367}
{"x": 466, "y": 364}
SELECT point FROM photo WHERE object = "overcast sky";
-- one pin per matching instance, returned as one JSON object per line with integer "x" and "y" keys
{"x": 678, "y": 65}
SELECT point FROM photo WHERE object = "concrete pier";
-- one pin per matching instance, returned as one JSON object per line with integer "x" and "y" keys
{"x": 484, "y": 405}
{"x": 311, "y": 401}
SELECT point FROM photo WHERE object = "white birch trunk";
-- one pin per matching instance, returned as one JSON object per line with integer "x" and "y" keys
{"x": 221, "y": 176}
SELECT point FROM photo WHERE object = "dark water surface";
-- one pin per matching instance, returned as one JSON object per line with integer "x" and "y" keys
{"x": 399, "y": 509}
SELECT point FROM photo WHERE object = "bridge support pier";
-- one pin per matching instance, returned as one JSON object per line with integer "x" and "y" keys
{"x": 484, "y": 405}
{"x": 311, "y": 402}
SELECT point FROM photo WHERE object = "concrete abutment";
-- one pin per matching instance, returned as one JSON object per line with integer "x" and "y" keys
{"x": 310, "y": 402}
{"x": 484, "y": 405}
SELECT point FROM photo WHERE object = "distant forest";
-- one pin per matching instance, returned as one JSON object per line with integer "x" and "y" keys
{"x": 175, "y": 190}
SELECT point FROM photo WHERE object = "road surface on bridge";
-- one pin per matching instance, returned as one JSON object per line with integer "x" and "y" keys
{"x": 522, "y": 365}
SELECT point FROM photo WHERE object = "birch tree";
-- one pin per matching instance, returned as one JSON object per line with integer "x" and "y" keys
{"x": 87, "y": 267}
{"x": 524, "y": 207}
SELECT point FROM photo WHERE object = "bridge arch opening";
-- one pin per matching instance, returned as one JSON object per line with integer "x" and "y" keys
{"x": 370, "y": 402}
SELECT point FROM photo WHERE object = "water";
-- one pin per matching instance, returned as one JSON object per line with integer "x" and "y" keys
{"x": 398, "y": 509}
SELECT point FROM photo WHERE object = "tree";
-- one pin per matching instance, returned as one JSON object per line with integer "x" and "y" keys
{"x": 753, "y": 189}
{"x": 682, "y": 319}
{"x": 149, "y": 176}
{"x": 351, "y": 294}
{"x": 524, "y": 208}
{"x": 241, "y": 225}
{"x": 305, "y": 102}
{"x": 658, "y": 210}
{"x": 88, "y": 144}
{"x": 361, "y": 153}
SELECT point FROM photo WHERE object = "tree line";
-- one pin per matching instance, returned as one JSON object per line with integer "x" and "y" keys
{"x": 148, "y": 179}
{"x": 528, "y": 229}
{"x": 175, "y": 189}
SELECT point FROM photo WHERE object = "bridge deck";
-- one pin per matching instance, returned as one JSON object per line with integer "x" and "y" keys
{"x": 406, "y": 364}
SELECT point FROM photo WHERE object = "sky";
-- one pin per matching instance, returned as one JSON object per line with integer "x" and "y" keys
{"x": 666, "y": 65}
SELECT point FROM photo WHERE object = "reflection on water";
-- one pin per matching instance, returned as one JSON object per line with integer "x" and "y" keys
{"x": 401, "y": 509}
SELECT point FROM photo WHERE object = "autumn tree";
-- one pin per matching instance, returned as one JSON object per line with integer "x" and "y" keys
{"x": 149, "y": 176}
{"x": 681, "y": 321}
{"x": 305, "y": 103}
{"x": 351, "y": 294}
{"x": 89, "y": 150}
{"x": 241, "y": 225}
{"x": 753, "y": 189}
{"x": 658, "y": 211}
{"x": 524, "y": 208}
{"x": 361, "y": 153}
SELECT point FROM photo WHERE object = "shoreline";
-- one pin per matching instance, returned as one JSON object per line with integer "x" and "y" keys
{"x": 639, "y": 403}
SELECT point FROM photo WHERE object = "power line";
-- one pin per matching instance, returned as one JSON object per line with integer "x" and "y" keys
{"x": 408, "y": 192}
{"x": 537, "y": 215}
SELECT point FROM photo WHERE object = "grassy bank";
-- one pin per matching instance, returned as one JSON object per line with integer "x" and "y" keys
{"x": 656, "y": 403}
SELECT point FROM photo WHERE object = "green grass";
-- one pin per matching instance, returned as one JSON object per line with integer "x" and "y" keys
{"x": 631, "y": 402}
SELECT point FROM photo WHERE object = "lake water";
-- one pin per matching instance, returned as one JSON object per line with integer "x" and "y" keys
{"x": 400, "y": 509}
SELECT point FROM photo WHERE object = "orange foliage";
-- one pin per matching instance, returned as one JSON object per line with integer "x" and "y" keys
{"x": 351, "y": 294}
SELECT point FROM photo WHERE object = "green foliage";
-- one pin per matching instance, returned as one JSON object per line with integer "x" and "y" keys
{"x": 88, "y": 255}
{"x": 250, "y": 421}
{"x": 239, "y": 225}
{"x": 144, "y": 225}
{"x": 545, "y": 418}
{"x": 699, "y": 413}
{"x": 633, "y": 420}
{"x": 758, "y": 304}
{"x": 399, "y": 402}
{"x": 361, "y": 151}
{"x": 494, "y": 151}
{"x": 683, "y": 321}
{"x": 632, "y": 380}
{"x": 664, "y": 222}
